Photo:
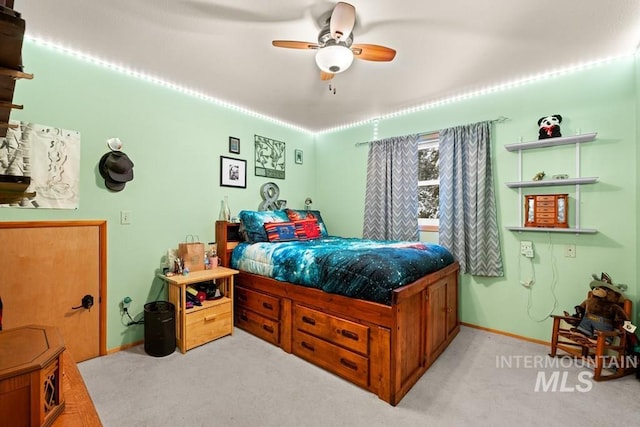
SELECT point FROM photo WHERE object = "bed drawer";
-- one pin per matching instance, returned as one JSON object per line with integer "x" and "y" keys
{"x": 345, "y": 363}
{"x": 208, "y": 324}
{"x": 257, "y": 301}
{"x": 263, "y": 327}
{"x": 347, "y": 334}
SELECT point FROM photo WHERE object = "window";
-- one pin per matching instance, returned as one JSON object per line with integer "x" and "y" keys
{"x": 428, "y": 182}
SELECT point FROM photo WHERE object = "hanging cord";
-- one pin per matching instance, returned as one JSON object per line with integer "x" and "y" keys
{"x": 554, "y": 281}
{"x": 132, "y": 321}
{"x": 140, "y": 321}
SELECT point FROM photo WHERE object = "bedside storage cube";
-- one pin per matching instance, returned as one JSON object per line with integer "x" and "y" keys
{"x": 213, "y": 319}
{"x": 31, "y": 376}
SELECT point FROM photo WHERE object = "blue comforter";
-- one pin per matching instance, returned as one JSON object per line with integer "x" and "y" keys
{"x": 357, "y": 268}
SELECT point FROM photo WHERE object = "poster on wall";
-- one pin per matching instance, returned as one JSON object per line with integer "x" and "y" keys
{"x": 270, "y": 157}
{"x": 45, "y": 157}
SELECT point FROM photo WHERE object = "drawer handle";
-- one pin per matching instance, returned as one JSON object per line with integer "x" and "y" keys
{"x": 242, "y": 296}
{"x": 244, "y": 317}
{"x": 349, "y": 364}
{"x": 267, "y": 306}
{"x": 207, "y": 318}
{"x": 268, "y": 328}
{"x": 350, "y": 335}
{"x": 307, "y": 346}
{"x": 308, "y": 320}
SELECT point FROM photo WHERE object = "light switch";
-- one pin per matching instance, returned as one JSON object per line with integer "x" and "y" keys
{"x": 125, "y": 217}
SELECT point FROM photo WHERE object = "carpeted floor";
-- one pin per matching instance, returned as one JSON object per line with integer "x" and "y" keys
{"x": 482, "y": 379}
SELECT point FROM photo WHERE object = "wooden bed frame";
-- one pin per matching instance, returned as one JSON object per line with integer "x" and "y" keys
{"x": 384, "y": 349}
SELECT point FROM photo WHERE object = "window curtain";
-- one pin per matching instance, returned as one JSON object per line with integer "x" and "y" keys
{"x": 468, "y": 222}
{"x": 391, "y": 201}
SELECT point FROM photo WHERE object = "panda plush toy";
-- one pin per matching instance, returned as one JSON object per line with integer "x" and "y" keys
{"x": 549, "y": 126}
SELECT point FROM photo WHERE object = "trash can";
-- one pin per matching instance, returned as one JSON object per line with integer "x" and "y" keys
{"x": 159, "y": 328}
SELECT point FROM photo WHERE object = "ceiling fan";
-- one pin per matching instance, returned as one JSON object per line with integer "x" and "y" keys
{"x": 335, "y": 48}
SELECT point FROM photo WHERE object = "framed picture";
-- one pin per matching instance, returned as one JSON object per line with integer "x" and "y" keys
{"x": 270, "y": 157}
{"x": 234, "y": 145}
{"x": 297, "y": 155}
{"x": 233, "y": 172}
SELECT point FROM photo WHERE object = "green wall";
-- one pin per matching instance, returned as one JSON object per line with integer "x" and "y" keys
{"x": 175, "y": 142}
{"x": 601, "y": 99}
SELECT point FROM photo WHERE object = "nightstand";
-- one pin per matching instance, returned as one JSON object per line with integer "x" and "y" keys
{"x": 213, "y": 319}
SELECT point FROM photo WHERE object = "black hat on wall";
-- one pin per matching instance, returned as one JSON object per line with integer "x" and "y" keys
{"x": 117, "y": 169}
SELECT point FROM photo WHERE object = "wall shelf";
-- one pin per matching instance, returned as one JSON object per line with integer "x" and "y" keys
{"x": 577, "y": 181}
{"x": 552, "y": 142}
{"x": 555, "y": 230}
{"x": 12, "y": 27}
{"x": 553, "y": 182}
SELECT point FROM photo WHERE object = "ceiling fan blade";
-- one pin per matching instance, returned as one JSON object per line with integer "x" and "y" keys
{"x": 373, "y": 52}
{"x": 292, "y": 44}
{"x": 342, "y": 20}
{"x": 326, "y": 76}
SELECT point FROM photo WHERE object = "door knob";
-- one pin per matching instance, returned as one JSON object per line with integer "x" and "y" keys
{"x": 87, "y": 302}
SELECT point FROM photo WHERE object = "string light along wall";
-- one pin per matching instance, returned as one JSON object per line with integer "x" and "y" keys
{"x": 375, "y": 121}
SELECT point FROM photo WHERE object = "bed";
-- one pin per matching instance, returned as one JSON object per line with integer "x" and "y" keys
{"x": 377, "y": 318}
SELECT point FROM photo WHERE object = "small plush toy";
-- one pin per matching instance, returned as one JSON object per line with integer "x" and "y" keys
{"x": 602, "y": 308}
{"x": 549, "y": 126}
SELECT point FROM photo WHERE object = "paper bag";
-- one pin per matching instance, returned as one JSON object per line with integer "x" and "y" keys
{"x": 192, "y": 253}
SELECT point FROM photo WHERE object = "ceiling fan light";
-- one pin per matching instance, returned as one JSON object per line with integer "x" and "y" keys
{"x": 334, "y": 59}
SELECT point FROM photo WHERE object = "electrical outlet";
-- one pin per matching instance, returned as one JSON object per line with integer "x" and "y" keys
{"x": 526, "y": 249}
{"x": 125, "y": 217}
{"x": 126, "y": 302}
{"x": 570, "y": 251}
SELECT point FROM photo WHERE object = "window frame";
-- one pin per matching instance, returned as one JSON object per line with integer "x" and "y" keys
{"x": 427, "y": 141}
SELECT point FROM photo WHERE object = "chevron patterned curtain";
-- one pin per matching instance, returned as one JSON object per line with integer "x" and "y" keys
{"x": 468, "y": 222}
{"x": 391, "y": 202}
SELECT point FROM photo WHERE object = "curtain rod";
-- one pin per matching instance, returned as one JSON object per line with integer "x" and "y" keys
{"x": 499, "y": 119}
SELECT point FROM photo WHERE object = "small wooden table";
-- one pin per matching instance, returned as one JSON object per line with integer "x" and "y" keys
{"x": 205, "y": 323}
{"x": 31, "y": 373}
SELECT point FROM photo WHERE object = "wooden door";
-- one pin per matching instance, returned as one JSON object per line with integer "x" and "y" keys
{"x": 46, "y": 269}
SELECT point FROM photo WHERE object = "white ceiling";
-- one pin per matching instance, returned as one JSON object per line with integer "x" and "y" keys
{"x": 444, "y": 48}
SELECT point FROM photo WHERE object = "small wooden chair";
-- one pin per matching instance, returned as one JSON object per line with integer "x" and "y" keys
{"x": 608, "y": 350}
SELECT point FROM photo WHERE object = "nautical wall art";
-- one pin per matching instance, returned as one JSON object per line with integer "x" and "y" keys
{"x": 46, "y": 160}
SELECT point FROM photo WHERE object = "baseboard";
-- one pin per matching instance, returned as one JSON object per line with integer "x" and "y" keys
{"x": 124, "y": 347}
{"x": 508, "y": 334}
{"x": 470, "y": 325}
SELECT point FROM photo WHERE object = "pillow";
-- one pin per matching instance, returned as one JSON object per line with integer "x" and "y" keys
{"x": 307, "y": 229}
{"x": 296, "y": 215}
{"x": 253, "y": 223}
{"x": 281, "y": 231}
